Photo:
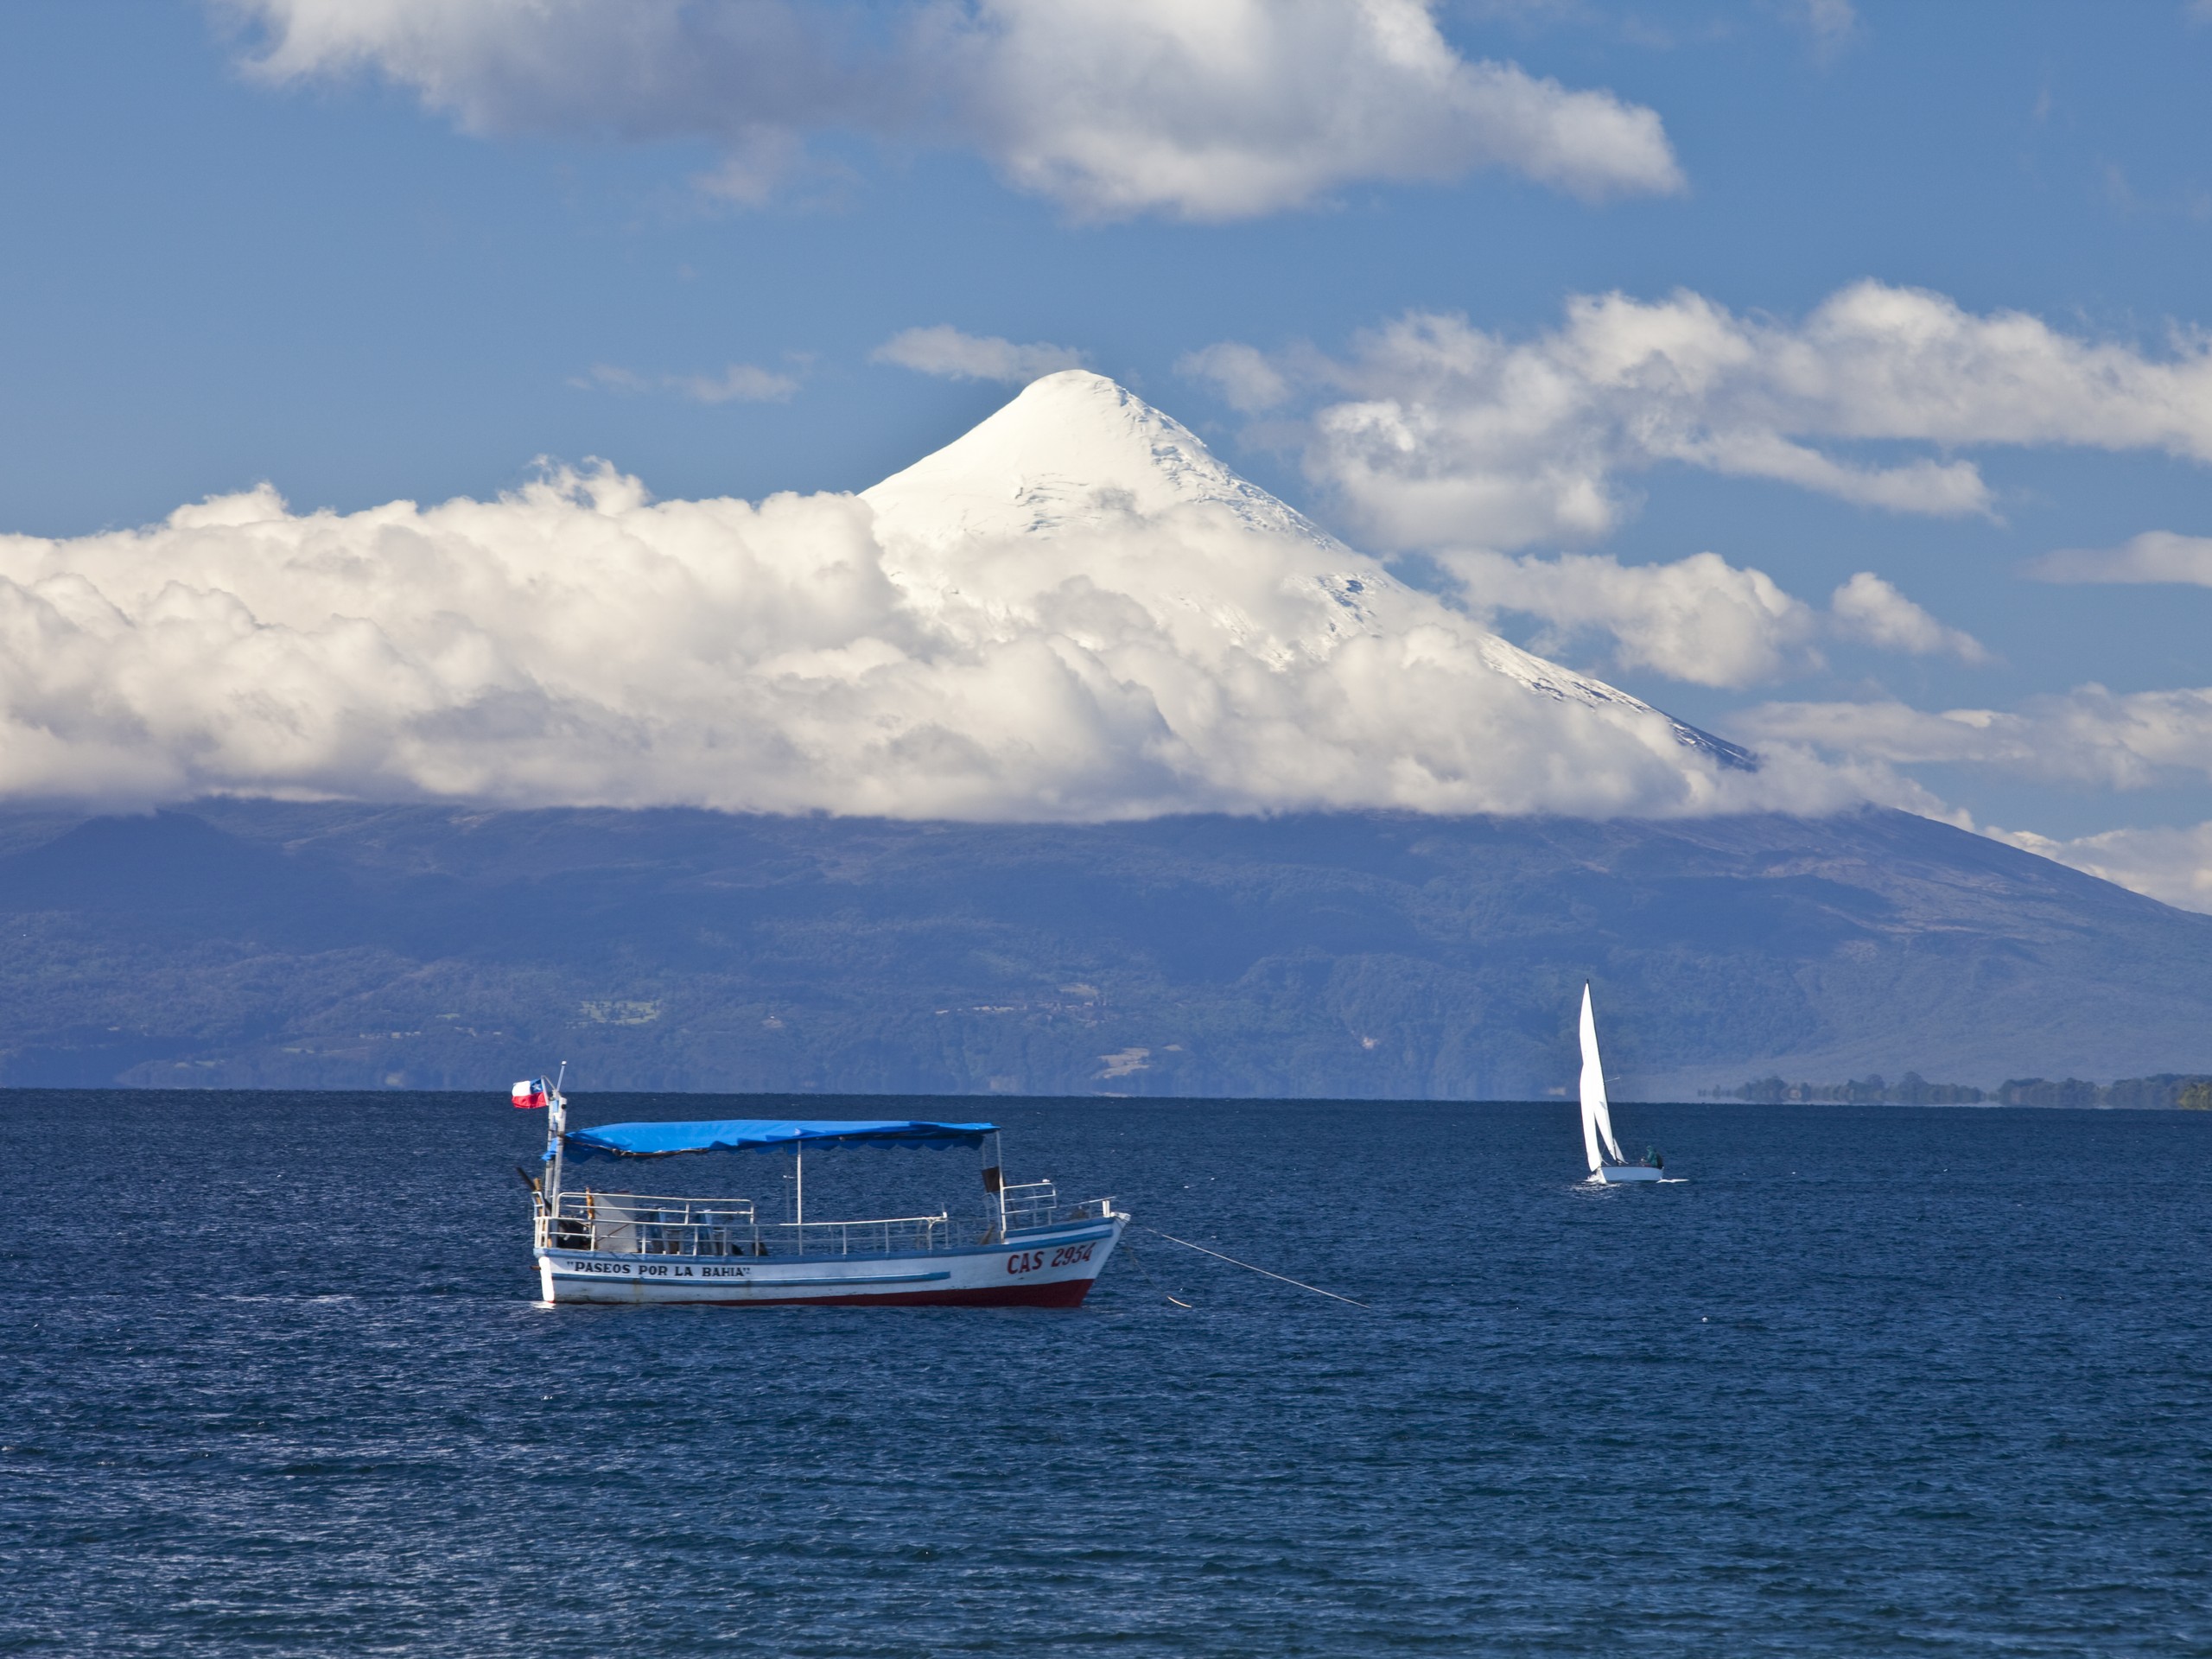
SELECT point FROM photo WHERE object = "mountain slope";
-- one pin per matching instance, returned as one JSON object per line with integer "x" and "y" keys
{"x": 1077, "y": 477}
{"x": 1344, "y": 955}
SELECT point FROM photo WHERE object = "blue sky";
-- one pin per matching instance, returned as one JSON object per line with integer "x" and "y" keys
{"x": 401, "y": 266}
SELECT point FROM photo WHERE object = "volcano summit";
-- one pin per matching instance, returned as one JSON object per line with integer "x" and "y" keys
{"x": 1080, "y": 515}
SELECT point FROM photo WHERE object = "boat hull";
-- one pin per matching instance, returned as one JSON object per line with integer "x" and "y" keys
{"x": 1622, "y": 1174}
{"x": 1053, "y": 1266}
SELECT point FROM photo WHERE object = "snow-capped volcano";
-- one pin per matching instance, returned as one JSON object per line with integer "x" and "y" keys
{"x": 1080, "y": 480}
{"x": 1074, "y": 450}
{"x": 1073, "y": 613}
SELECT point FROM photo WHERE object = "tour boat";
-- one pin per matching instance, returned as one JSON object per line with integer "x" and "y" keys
{"x": 1608, "y": 1164}
{"x": 594, "y": 1244}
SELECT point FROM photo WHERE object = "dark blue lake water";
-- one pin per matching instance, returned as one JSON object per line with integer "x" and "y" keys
{"x": 1874, "y": 1380}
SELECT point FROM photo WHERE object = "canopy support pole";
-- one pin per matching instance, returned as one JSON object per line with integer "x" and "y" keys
{"x": 995, "y": 1181}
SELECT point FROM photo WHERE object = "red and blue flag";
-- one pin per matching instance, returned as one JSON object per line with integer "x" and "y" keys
{"x": 532, "y": 1093}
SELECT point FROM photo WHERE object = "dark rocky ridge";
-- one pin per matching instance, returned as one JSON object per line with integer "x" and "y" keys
{"x": 244, "y": 944}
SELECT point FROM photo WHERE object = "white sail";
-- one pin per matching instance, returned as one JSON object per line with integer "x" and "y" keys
{"x": 1597, "y": 1122}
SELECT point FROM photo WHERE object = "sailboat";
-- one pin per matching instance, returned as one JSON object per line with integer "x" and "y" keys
{"x": 1607, "y": 1162}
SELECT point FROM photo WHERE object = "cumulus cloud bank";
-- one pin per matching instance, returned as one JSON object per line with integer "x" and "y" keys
{"x": 1222, "y": 110}
{"x": 1074, "y": 612}
{"x": 1700, "y": 619}
{"x": 1433, "y": 433}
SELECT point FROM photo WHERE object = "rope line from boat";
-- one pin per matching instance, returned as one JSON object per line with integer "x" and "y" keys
{"x": 1246, "y": 1266}
{"x": 1129, "y": 1251}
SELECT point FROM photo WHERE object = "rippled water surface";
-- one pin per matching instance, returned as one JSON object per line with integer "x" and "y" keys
{"x": 1872, "y": 1380}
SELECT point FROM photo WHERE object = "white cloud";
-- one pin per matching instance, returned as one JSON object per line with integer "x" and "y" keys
{"x": 943, "y": 350}
{"x": 1442, "y": 434}
{"x": 577, "y": 642}
{"x": 1112, "y": 107}
{"x": 2089, "y": 737}
{"x": 1700, "y": 619}
{"x": 2173, "y": 866}
{"x": 1241, "y": 374}
{"x": 2155, "y": 556}
{"x": 1249, "y": 106}
{"x": 1869, "y": 609}
{"x": 739, "y": 382}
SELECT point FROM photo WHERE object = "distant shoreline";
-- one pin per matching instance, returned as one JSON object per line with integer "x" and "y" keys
{"x": 679, "y": 1100}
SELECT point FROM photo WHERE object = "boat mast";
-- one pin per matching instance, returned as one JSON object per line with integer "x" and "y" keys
{"x": 557, "y": 1126}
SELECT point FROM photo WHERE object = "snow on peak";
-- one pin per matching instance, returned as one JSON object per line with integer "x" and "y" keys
{"x": 1074, "y": 450}
{"x": 1079, "y": 482}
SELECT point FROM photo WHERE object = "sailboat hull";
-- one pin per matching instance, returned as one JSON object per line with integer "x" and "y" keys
{"x": 1622, "y": 1174}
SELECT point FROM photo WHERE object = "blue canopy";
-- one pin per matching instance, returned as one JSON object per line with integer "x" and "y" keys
{"x": 762, "y": 1133}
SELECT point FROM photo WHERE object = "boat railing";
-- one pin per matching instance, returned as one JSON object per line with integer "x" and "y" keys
{"x": 1028, "y": 1205}
{"x": 898, "y": 1235}
{"x": 639, "y": 1223}
{"x": 642, "y": 1224}
{"x": 1037, "y": 1205}
{"x": 636, "y": 1223}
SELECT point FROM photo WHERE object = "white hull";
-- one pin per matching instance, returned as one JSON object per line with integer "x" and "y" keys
{"x": 1621, "y": 1174}
{"x": 1048, "y": 1267}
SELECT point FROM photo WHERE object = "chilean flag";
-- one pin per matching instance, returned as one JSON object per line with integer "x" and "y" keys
{"x": 530, "y": 1094}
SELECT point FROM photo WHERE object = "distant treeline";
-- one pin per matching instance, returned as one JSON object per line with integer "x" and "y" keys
{"x": 1910, "y": 1090}
{"x": 2168, "y": 1088}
